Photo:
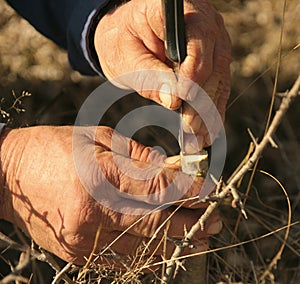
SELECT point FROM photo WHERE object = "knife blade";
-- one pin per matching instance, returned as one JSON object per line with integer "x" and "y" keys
{"x": 175, "y": 48}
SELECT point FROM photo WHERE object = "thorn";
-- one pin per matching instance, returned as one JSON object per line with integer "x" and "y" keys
{"x": 272, "y": 142}
{"x": 196, "y": 203}
{"x": 237, "y": 203}
{"x": 213, "y": 198}
{"x": 244, "y": 214}
{"x": 254, "y": 140}
{"x": 185, "y": 230}
{"x": 202, "y": 224}
{"x": 180, "y": 264}
{"x": 219, "y": 185}
{"x": 180, "y": 243}
{"x": 282, "y": 94}
{"x": 242, "y": 208}
{"x": 215, "y": 181}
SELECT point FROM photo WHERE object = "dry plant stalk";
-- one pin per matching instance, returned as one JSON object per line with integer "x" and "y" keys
{"x": 16, "y": 105}
{"x": 230, "y": 187}
{"x": 277, "y": 256}
{"x": 28, "y": 254}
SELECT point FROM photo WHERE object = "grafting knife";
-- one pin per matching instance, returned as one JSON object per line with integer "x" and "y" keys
{"x": 175, "y": 47}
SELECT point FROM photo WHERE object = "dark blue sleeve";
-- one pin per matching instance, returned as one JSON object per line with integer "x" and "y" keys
{"x": 66, "y": 22}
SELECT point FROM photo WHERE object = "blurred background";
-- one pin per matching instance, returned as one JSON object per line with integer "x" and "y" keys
{"x": 30, "y": 62}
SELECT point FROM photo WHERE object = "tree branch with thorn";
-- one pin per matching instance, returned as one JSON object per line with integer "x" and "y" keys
{"x": 223, "y": 190}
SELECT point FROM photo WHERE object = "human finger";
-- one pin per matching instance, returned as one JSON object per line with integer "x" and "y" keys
{"x": 142, "y": 170}
{"x": 201, "y": 34}
{"x": 139, "y": 60}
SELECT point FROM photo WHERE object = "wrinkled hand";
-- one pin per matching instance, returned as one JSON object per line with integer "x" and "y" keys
{"x": 131, "y": 38}
{"x": 55, "y": 175}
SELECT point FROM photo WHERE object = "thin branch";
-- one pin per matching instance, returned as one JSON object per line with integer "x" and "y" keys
{"x": 239, "y": 174}
{"x": 43, "y": 256}
{"x": 51, "y": 261}
{"x": 266, "y": 139}
{"x": 17, "y": 270}
{"x": 62, "y": 274}
{"x": 226, "y": 247}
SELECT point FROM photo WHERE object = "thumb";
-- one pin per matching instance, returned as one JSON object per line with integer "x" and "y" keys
{"x": 153, "y": 80}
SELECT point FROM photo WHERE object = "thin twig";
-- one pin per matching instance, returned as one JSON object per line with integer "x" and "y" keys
{"x": 43, "y": 256}
{"x": 61, "y": 274}
{"x": 95, "y": 246}
{"x": 277, "y": 257}
{"x": 17, "y": 270}
{"x": 266, "y": 139}
{"x": 228, "y": 246}
{"x": 51, "y": 261}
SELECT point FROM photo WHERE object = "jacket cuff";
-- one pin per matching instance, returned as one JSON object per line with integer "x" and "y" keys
{"x": 82, "y": 27}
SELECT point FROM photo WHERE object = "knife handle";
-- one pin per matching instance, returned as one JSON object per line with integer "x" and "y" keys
{"x": 173, "y": 15}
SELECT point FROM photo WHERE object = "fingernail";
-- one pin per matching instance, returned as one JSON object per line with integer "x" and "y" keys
{"x": 214, "y": 228}
{"x": 192, "y": 91}
{"x": 165, "y": 95}
{"x": 197, "y": 124}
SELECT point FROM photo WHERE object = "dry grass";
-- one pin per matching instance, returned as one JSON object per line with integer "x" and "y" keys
{"x": 245, "y": 248}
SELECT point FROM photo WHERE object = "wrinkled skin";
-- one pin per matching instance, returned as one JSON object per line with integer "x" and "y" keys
{"x": 44, "y": 195}
{"x": 134, "y": 32}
